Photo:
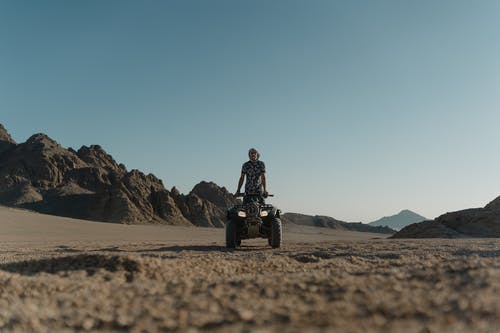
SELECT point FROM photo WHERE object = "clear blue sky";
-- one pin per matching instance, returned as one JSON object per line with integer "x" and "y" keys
{"x": 359, "y": 108}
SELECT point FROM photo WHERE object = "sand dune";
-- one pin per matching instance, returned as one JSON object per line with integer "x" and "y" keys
{"x": 59, "y": 274}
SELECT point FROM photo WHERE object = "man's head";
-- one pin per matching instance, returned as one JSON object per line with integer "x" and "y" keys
{"x": 253, "y": 154}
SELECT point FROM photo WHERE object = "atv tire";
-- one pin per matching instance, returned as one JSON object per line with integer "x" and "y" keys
{"x": 275, "y": 239}
{"x": 231, "y": 237}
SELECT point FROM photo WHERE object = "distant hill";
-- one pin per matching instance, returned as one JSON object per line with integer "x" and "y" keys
{"x": 330, "y": 222}
{"x": 472, "y": 222}
{"x": 399, "y": 221}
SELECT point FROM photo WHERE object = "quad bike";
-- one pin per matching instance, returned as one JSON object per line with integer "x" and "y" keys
{"x": 253, "y": 219}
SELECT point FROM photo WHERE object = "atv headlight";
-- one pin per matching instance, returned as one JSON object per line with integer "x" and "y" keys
{"x": 242, "y": 213}
{"x": 264, "y": 213}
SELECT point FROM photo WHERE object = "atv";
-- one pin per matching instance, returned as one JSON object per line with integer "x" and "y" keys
{"x": 253, "y": 219}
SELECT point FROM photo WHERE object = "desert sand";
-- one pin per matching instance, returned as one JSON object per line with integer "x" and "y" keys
{"x": 65, "y": 275}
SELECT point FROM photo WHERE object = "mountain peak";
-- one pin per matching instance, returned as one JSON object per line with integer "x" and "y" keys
{"x": 407, "y": 212}
{"x": 400, "y": 220}
{"x": 6, "y": 141}
{"x": 5, "y": 136}
{"x": 96, "y": 156}
{"x": 41, "y": 138}
{"x": 212, "y": 192}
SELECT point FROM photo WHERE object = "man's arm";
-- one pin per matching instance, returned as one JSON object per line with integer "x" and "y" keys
{"x": 240, "y": 183}
{"x": 264, "y": 185}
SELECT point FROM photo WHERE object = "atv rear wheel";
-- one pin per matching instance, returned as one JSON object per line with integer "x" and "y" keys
{"x": 231, "y": 237}
{"x": 275, "y": 239}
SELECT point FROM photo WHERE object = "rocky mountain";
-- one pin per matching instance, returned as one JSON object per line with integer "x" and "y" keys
{"x": 6, "y": 140}
{"x": 474, "y": 222}
{"x": 41, "y": 175}
{"x": 206, "y": 204}
{"x": 88, "y": 183}
{"x": 399, "y": 221}
{"x": 330, "y": 222}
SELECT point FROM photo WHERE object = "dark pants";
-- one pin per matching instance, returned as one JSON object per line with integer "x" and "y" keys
{"x": 249, "y": 198}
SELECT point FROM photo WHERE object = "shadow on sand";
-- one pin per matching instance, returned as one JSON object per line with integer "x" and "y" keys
{"x": 91, "y": 263}
{"x": 479, "y": 253}
{"x": 88, "y": 263}
{"x": 205, "y": 248}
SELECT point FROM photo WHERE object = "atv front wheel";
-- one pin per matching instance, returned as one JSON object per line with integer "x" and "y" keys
{"x": 275, "y": 239}
{"x": 231, "y": 239}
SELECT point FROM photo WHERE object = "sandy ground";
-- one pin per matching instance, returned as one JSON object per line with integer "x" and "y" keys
{"x": 64, "y": 275}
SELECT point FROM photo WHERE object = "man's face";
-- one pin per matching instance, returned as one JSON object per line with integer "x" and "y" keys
{"x": 253, "y": 155}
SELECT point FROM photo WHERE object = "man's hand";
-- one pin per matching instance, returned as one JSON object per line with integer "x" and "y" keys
{"x": 266, "y": 194}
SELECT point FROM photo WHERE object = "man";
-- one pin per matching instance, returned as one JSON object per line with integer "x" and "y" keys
{"x": 255, "y": 172}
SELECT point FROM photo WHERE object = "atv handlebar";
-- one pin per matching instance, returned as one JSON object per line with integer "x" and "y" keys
{"x": 241, "y": 195}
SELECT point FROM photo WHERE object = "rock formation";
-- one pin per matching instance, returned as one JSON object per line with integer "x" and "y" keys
{"x": 41, "y": 175}
{"x": 6, "y": 141}
{"x": 474, "y": 222}
{"x": 206, "y": 204}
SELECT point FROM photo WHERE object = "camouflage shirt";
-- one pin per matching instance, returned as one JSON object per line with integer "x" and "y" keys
{"x": 253, "y": 171}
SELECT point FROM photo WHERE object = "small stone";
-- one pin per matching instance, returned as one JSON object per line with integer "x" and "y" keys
{"x": 88, "y": 324}
{"x": 246, "y": 315}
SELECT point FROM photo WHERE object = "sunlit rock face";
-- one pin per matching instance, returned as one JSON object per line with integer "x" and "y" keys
{"x": 41, "y": 175}
{"x": 206, "y": 205}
